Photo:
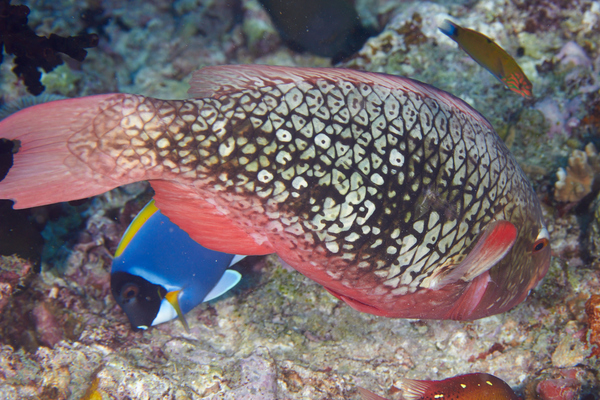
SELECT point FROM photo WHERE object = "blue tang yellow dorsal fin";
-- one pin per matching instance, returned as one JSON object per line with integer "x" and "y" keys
{"x": 137, "y": 223}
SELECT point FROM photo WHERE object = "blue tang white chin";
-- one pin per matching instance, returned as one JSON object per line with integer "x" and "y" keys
{"x": 159, "y": 273}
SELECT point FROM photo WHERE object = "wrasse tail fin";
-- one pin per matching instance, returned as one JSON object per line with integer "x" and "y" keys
{"x": 203, "y": 222}
{"x": 45, "y": 170}
{"x": 494, "y": 242}
{"x": 368, "y": 395}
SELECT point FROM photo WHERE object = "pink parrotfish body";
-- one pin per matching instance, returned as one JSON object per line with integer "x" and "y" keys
{"x": 477, "y": 386}
{"x": 398, "y": 197}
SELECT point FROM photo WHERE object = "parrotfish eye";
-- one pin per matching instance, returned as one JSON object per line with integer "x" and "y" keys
{"x": 541, "y": 241}
{"x": 130, "y": 291}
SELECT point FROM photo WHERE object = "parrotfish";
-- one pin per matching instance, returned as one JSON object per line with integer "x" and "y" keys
{"x": 464, "y": 387}
{"x": 490, "y": 56}
{"x": 159, "y": 273}
{"x": 397, "y": 197}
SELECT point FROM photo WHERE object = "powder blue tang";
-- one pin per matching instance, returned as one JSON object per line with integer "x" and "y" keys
{"x": 159, "y": 273}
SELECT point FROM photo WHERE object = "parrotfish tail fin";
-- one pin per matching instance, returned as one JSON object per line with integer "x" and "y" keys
{"x": 368, "y": 395}
{"x": 448, "y": 28}
{"x": 494, "y": 242}
{"x": 57, "y": 143}
{"x": 173, "y": 299}
{"x": 209, "y": 227}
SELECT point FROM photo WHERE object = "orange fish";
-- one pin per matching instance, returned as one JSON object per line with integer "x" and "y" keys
{"x": 463, "y": 387}
{"x": 490, "y": 56}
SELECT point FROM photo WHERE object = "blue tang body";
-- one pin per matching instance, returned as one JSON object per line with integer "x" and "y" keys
{"x": 160, "y": 273}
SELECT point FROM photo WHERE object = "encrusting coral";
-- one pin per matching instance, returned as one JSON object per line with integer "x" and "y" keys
{"x": 576, "y": 182}
{"x": 592, "y": 309}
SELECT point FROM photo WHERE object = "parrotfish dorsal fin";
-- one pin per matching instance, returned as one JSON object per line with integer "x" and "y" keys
{"x": 204, "y": 223}
{"x": 493, "y": 244}
{"x": 229, "y": 279}
{"x": 173, "y": 299}
{"x": 222, "y": 80}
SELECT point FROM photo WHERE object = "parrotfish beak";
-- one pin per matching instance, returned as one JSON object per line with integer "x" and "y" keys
{"x": 169, "y": 309}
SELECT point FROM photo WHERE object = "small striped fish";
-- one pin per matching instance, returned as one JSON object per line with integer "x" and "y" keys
{"x": 397, "y": 197}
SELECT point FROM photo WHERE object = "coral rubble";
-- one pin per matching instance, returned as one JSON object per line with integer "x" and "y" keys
{"x": 576, "y": 182}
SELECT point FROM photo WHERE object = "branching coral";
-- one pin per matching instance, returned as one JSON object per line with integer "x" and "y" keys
{"x": 33, "y": 52}
{"x": 576, "y": 182}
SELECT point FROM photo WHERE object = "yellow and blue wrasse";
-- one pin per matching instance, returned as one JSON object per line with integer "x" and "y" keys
{"x": 397, "y": 197}
{"x": 490, "y": 56}
{"x": 477, "y": 386}
{"x": 159, "y": 273}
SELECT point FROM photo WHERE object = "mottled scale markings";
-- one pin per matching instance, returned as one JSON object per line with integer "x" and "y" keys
{"x": 375, "y": 186}
{"x": 269, "y": 155}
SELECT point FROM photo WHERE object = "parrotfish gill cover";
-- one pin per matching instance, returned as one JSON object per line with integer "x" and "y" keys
{"x": 399, "y": 198}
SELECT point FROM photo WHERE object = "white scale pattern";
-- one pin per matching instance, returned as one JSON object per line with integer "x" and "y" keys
{"x": 384, "y": 179}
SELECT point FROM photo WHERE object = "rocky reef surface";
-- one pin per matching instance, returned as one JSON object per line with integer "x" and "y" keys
{"x": 279, "y": 335}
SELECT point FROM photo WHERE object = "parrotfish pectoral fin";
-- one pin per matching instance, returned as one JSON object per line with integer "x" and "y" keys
{"x": 469, "y": 300}
{"x": 493, "y": 244}
{"x": 203, "y": 222}
{"x": 368, "y": 395}
{"x": 229, "y": 279}
{"x": 46, "y": 168}
{"x": 173, "y": 299}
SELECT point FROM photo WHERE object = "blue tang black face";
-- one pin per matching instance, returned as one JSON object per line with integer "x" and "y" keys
{"x": 159, "y": 273}
{"x": 140, "y": 299}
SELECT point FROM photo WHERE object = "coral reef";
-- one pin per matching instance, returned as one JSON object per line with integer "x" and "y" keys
{"x": 278, "y": 334}
{"x": 592, "y": 309}
{"x": 33, "y": 52}
{"x": 576, "y": 182}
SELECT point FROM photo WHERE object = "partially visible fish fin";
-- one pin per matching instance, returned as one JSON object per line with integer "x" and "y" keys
{"x": 173, "y": 299}
{"x": 203, "y": 222}
{"x": 229, "y": 279}
{"x": 448, "y": 28}
{"x": 470, "y": 298}
{"x": 28, "y": 101}
{"x": 236, "y": 259}
{"x": 357, "y": 305}
{"x": 494, "y": 242}
{"x": 368, "y": 395}
{"x": 413, "y": 389}
{"x": 45, "y": 170}
{"x": 221, "y": 80}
